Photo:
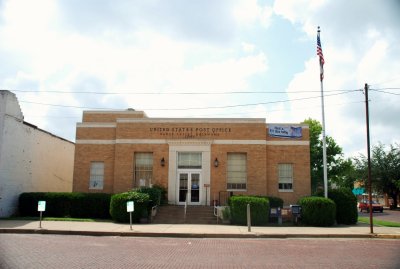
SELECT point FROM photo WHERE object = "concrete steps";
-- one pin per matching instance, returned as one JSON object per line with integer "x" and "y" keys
{"x": 173, "y": 214}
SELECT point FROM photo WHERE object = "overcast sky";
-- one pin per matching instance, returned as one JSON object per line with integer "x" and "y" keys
{"x": 206, "y": 58}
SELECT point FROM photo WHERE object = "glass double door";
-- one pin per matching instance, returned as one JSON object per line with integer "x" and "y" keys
{"x": 189, "y": 187}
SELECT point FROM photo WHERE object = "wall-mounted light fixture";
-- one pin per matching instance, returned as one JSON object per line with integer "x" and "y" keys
{"x": 162, "y": 162}
{"x": 216, "y": 162}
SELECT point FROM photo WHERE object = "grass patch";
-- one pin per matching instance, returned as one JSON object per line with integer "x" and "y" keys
{"x": 57, "y": 219}
{"x": 379, "y": 222}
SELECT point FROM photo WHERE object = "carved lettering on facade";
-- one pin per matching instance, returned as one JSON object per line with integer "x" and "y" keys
{"x": 190, "y": 132}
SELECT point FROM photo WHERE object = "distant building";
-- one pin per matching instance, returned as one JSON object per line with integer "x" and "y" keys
{"x": 31, "y": 159}
{"x": 201, "y": 159}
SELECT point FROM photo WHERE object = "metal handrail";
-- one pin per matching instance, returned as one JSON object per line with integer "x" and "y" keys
{"x": 215, "y": 209}
{"x": 153, "y": 212}
{"x": 223, "y": 197}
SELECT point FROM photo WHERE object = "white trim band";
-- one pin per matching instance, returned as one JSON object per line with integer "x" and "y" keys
{"x": 94, "y": 142}
{"x": 288, "y": 143}
{"x": 96, "y": 125}
{"x": 239, "y": 142}
{"x": 141, "y": 141}
{"x": 190, "y": 142}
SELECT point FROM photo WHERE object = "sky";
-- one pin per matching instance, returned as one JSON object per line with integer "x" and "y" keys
{"x": 206, "y": 59}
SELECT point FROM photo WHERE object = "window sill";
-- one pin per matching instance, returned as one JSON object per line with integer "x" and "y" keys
{"x": 237, "y": 190}
{"x": 285, "y": 190}
{"x": 95, "y": 188}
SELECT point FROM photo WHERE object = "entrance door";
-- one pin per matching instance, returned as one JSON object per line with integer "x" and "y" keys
{"x": 189, "y": 186}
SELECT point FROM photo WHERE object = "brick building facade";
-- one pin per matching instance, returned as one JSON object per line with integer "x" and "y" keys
{"x": 202, "y": 159}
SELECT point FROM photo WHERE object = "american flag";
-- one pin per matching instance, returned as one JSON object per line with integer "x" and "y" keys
{"x": 321, "y": 56}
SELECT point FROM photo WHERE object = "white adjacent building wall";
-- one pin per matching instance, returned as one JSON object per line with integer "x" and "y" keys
{"x": 31, "y": 159}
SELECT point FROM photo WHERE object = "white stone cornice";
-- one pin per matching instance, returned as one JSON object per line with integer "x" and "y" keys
{"x": 193, "y": 120}
{"x": 189, "y": 142}
{"x": 302, "y": 125}
{"x": 141, "y": 141}
{"x": 239, "y": 142}
{"x": 96, "y": 125}
{"x": 94, "y": 142}
{"x": 288, "y": 143}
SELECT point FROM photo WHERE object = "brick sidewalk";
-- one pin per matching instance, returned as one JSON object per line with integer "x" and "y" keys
{"x": 193, "y": 230}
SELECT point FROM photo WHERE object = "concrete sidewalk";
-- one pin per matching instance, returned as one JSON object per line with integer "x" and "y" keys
{"x": 194, "y": 230}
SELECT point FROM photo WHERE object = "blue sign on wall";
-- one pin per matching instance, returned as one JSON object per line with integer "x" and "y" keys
{"x": 285, "y": 131}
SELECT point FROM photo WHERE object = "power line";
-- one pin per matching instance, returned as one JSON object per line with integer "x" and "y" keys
{"x": 383, "y": 90}
{"x": 196, "y": 108}
{"x": 385, "y": 82}
{"x": 277, "y": 110}
{"x": 392, "y": 93}
{"x": 216, "y": 92}
{"x": 379, "y": 89}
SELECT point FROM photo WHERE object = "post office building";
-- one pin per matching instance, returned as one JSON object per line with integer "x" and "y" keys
{"x": 200, "y": 160}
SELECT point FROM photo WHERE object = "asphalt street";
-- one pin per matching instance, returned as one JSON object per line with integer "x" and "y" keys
{"x": 60, "y": 251}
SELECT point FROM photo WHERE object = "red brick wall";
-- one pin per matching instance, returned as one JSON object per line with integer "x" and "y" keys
{"x": 262, "y": 159}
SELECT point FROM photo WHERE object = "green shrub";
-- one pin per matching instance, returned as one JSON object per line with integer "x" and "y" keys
{"x": 57, "y": 204}
{"x": 65, "y": 204}
{"x": 346, "y": 205}
{"x": 273, "y": 201}
{"x": 90, "y": 205}
{"x": 163, "y": 190}
{"x": 28, "y": 203}
{"x": 154, "y": 194}
{"x": 259, "y": 208}
{"x": 317, "y": 211}
{"x": 118, "y": 206}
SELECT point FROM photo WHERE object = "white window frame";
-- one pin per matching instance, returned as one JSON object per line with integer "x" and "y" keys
{"x": 147, "y": 171}
{"x": 96, "y": 178}
{"x": 236, "y": 186}
{"x": 190, "y": 160}
{"x": 285, "y": 177}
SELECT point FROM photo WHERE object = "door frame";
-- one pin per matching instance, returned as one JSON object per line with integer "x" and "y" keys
{"x": 190, "y": 172}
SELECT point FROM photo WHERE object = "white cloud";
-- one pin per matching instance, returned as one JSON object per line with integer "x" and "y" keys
{"x": 249, "y": 12}
{"x": 202, "y": 46}
{"x": 366, "y": 57}
{"x": 297, "y": 11}
{"x": 247, "y": 47}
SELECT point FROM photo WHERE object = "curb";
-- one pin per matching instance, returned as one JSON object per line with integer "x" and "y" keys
{"x": 197, "y": 235}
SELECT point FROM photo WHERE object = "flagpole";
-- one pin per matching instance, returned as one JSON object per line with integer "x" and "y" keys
{"x": 324, "y": 143}
{"x": 321, "y": 63}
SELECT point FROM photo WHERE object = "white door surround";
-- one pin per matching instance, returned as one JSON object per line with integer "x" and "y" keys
{"x": 176, "y": 146}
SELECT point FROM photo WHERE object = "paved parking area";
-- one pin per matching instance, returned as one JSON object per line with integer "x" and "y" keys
{"x": 387, "y": 215}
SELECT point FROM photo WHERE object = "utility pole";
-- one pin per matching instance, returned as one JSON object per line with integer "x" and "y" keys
{"x": 369, "y": 162}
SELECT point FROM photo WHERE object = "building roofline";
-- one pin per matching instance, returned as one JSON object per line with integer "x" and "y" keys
{"x": 304, "y": 125}
{"x": 192, "y": 120}
{"x": 116, "y": 111}
{"x": 46, "y": 132}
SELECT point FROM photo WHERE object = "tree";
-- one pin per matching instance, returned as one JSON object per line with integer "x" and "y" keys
{"x": 385, "y": 170}
{"x": 340, "y": 170}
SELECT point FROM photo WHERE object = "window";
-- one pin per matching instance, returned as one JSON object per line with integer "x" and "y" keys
{"x": 143, "y": 169}
{"x": 189, "y": 160}
{"x": 285, "y": 174}
{"x": 237, "y": 171}
{"x": 96, "y": 175}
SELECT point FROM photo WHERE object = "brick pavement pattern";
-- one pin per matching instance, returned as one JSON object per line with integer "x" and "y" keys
{"x": 59, "y": 251}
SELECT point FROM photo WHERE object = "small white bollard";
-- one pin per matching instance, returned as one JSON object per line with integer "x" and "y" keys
{"x": 248, "y": 218}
